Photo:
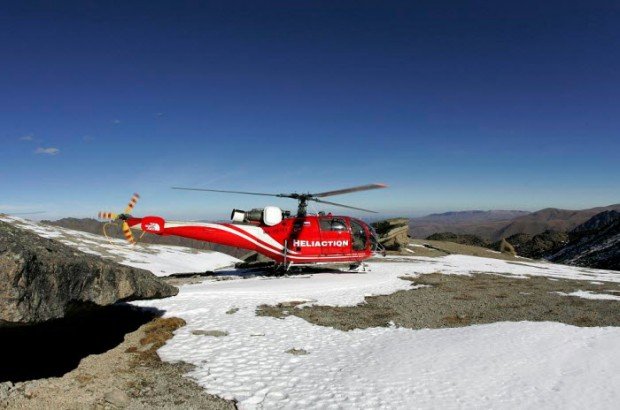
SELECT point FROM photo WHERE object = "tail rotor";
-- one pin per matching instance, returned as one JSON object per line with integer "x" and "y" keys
{"x": 114, "y": 217}
{"x": 107, "y": 215}
{"x": 131, "y": 204}
{"x": 127, "y": 233}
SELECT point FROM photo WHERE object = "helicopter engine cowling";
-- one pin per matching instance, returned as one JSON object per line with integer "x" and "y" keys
{"x": 270, "y": 215}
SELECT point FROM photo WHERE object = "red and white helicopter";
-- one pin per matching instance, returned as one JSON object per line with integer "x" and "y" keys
{"x": 288, "y": 240}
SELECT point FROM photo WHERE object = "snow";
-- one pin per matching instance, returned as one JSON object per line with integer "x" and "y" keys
{"x": 465, "y": 265}
{"x": 506, "y": 364}
{"x": 586, "y": 294}
{"x": 499, "y": 365}
{"x": 162, "y": 260}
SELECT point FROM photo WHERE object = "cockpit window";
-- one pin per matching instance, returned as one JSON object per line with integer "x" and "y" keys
{"x": 332, "y": 224}
{"x": 360, "y": 240}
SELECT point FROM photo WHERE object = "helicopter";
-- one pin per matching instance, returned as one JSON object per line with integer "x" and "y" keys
{"x": 302, "y": 239}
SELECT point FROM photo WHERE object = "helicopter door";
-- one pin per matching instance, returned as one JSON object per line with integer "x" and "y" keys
{"x": 335, "y": 236}
{"x": 358, "y": 236}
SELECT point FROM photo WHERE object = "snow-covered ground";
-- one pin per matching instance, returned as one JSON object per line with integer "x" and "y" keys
{"x": 500, "y": 365}
{"x": 591, "y": 295}
{"x": 162, "y": 260}
{"x": 524, "y": 364}
{"x": 465, "y": 265}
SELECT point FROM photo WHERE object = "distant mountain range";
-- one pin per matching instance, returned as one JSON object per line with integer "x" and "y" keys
{"x": 589, "y": 237}
{"x": 484, "y": 224}
{"x": 495, "y": 225}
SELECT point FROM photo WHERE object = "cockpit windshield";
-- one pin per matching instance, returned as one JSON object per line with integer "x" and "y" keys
{"x": 375, "y": 245}
{"x": 358, "y": 235}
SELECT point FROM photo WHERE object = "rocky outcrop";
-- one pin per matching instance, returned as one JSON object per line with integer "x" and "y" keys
{"x": 393, "y": 233}
{"x": 464, "y": 239}
{"x": 595, "y": 243}
{"x": 253, "y": 260}
{"x": 506, "y": 247}
{"x": 535, "y": 246}
{"x": 42, "y": 279}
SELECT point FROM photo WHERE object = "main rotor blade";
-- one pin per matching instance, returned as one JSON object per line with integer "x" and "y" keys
{"x": 348, "y": 190}
{"x": 341, "y": 205}
{"x": 232, "y": 192}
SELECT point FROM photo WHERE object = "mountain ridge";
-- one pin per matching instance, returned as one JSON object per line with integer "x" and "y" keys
{"x": 494, "y": 225}
{"x": 475, "y": 222}
{"x": 595, "y": 243}
{"x": 554, "y": 219}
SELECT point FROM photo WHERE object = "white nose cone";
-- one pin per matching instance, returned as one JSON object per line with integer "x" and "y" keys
{"x": 272, "y": 215}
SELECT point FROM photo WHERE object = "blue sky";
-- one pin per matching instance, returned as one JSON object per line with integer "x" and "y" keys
{"x": 489, "y": 105}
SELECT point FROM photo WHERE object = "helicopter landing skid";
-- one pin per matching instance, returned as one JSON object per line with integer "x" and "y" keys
{"x": 318, "y": 268}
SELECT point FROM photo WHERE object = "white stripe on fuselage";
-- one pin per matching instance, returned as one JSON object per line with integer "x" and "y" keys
{"x": 253, "y": 234}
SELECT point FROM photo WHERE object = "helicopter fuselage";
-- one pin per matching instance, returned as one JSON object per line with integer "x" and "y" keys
{"x": 295, "y": 240}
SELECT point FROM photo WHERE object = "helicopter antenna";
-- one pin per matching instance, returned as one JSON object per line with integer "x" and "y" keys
{"x": 303, "y": 199}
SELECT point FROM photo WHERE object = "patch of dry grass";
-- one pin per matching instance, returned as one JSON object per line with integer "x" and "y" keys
{"x": 456, "y": 320}
{"x": 156, "y": 333}
{"x": 464, "y": 296}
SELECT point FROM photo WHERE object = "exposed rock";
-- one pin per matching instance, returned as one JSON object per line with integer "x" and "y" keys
{"x": 116, "y": 398}
{"x": 5, "y": 388}
{"x": 464, "y": 239}
{"x": 253, "y": 259}
{"x": 506, "y": 247}
{"x": 535, "y": 246}
{"x": 40, "y": 279}
{"x": 595, "y": 243}
{"x": 393, "y": 233}
{"x": 29, "y": 388}
{"x": 604, "y": 221}
{"x": 297, "y": 352}
{"x": 212, "y": 333}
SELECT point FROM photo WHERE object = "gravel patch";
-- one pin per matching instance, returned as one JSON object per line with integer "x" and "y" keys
{"x": 440, "y": 301}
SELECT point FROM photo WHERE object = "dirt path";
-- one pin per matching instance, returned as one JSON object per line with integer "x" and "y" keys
{"x": 130, "y": 375}
{"x": 455, "y": 300}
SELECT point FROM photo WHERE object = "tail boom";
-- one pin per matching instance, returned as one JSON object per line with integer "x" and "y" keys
{"x": 250, "y": 238}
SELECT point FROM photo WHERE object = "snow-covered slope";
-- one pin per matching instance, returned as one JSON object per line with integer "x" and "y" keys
{"x": 500, "y": 365}
{"x": 162, "y": 260}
